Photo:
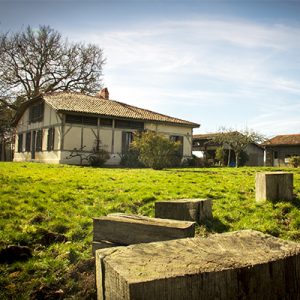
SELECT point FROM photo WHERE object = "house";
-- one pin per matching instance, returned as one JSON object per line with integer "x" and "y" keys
{"x": 205, "y": 143}
{"x": 51, "y": 126}
{"x": 280, "y": 148}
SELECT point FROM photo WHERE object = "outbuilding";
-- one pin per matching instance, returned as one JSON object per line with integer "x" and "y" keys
{"x": 280, "y": 148}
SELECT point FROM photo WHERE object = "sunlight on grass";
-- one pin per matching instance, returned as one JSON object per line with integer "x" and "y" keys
{"x": 39, "y": 200}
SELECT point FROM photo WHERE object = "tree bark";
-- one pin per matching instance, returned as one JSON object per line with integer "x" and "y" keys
{"x": 228, "y": 163}
{"x": 237, "y": 155}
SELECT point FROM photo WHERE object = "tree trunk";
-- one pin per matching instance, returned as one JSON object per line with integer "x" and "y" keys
{"x": 228, "y": 163}
{"x": 3, "y": 151}
{"x": 237, "y": 155}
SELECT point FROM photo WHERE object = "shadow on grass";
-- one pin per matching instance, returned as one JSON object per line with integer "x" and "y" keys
{"x": 215, "y": 226}
{"x": 190, "y": 171}
{"x": 296, "y": 202}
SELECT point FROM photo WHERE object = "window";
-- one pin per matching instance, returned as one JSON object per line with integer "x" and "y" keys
{"x": 178, "y": 139}
{"x": 129, "y": 124}
{"x": 39, "y": 140}
{"x": 28, "y": 141}
{"x": 78, "y": 119}
{"x": 275, "y": 154}
{"x": 127, "y": 138}
{"x": 90, "y": 120}
{"x": 50, "y": 139}
{"x": 36, "y": 112}
{"x": 106, "y": 122}
{"x": 20, "y": 142}
{"x": 74, "y": 119}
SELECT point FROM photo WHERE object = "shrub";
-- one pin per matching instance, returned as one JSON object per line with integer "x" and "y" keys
{"x": 198, "y": 162}
{"x": 131, "y": 159}
{"x": 98, "y": 158}
{"x": 156, "y": 151}
{"x": 295, "y": 161}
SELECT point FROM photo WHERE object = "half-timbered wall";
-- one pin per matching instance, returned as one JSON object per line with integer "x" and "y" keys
{"x": 71, "y": 133}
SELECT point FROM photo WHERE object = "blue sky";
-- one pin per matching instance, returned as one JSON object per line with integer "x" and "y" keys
{"x": 217, "y": 63}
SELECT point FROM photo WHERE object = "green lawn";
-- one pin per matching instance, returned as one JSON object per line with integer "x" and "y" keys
{"x": 38, "y": 198}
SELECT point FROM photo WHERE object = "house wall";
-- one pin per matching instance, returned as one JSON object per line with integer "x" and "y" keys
{"x": 50, "y": 119}
{"x": 77, "y": 136}
{"x": 68, "y": 136}
{"x": 278, "y": 155}
{"x": 83, "y": 138}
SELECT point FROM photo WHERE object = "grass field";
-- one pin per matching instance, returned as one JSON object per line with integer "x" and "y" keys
{"x": 36, "y": 199}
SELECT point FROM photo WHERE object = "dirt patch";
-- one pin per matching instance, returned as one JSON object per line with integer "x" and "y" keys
{"x": 50, "y": 292}
{"x": 14, "y": 253}
{"x": 46, "y": 238}
{"x": 84, "y": 274}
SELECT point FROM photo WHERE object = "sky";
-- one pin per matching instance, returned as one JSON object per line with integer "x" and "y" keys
{"x": 218, "y": 63}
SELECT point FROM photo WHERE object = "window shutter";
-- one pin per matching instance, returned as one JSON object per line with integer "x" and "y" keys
{"x": 20, "y": 142}
{"x": 28, "y": 141}
{"x": 39, "y": 140}
{"x": 50, "y": 139}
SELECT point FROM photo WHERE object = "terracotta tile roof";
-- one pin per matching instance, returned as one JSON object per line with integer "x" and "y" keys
{"x": 287, "y": 139}
{"x": 77, "y": 102}
{"x": 205, "y": 136}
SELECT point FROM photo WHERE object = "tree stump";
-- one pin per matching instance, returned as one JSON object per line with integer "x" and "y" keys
{"x": 237, "y": 265}
{"x": 197, "y": 210}
{"x": 274, "y": 186}
{"x": 125, "y": 229}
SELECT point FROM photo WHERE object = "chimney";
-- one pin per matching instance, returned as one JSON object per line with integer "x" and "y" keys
{"x": 103, "y": 94}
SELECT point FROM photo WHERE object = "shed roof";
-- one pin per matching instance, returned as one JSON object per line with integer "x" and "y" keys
{"x": 285, "y": 139}
{"x": 206, "y": 136}
{"x": 78, "y": 102}
{"x": 211, "y": 136}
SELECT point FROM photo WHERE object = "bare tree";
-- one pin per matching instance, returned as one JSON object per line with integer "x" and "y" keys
{"x": 237, "y": 141}
{"x": 33, "y": 62}
{"x": 40, "y": 61}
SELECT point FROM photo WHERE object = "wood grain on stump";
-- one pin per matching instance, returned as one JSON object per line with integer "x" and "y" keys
{"x": 274, "y": 186}
{"x": 131, "y": 229}
{"x": 197, "y": 210}
{"x": 238, "y": 265}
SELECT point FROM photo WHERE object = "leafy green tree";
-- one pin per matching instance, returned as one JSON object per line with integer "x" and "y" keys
{"x": 237, "y": 141}
{"x": 156, "y": 151}
{"x": 221, "y": 155}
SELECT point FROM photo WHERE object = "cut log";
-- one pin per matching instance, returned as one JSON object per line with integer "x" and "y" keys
{"x": 274, "y": 186}
{"x": 197, "y": 210}
{"x": 128, "y": 229}
{"x": 238, "y": 265}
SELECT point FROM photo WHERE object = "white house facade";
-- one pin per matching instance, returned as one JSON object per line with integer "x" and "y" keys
{"x": 50, "y": 127}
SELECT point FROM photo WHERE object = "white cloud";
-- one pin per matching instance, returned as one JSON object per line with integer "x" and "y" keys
{"x": 206, "y": 65}
{"x": 289, "y": 86}
{"x": 279, "y": 117}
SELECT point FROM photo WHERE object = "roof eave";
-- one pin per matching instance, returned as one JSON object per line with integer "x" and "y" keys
{"x": 280, "y": 145}
{"x": 189, "y": 125}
